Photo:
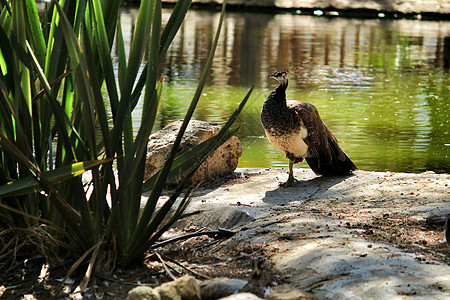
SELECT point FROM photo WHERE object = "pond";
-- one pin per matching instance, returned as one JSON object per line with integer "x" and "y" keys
{"x": 382, "y": 86}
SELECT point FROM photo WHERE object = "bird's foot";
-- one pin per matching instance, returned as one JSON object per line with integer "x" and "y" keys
{"x": 290, "y": 182}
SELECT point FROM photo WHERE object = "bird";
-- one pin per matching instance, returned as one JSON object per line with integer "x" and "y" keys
{"x": 222, "y": 287}
{"x": 254, "y": 285}
{"x": 296, "y": 129}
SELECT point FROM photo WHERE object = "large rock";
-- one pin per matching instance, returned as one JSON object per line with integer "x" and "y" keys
{"x": 222, "y": 161}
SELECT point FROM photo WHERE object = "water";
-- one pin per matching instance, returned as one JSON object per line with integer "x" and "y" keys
{"x": 380, "y": 85}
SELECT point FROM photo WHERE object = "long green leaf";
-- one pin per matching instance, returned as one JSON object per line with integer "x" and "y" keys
{"x": 22, "y": 81}
{"x": 82, "y": 81}
{"x": 105, "y": 53}
{"x": 110, "y": 13}
{"x": 28, "y": 184}
{"x": 61, "y": 118}
{"x": 56, "y": 56}
{"x": 151, "y": 100}
{"x": 97, "y": 95}
{"x": 35, "y": 35}
{"x": 140, "y": 39}
{"x": 121, "y": 54}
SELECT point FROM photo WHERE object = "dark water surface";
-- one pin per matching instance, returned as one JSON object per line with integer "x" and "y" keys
{"x": 380, "y": 85}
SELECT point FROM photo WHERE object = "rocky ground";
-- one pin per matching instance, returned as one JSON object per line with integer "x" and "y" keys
{"x": 373, "y": 235}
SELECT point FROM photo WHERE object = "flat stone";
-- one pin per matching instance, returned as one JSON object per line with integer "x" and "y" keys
{"x": 221, "y": 217}
{"x": 223, "y": 161}
{"x": 219, "y": 288}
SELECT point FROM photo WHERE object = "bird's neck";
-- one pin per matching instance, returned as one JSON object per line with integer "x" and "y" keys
{"x": 281, "y": 88}
{"x": 256, "y": 275}
{"x": 279, "y": 93}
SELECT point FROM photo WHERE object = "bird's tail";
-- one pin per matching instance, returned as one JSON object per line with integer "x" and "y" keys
{"x": 340, "y": 163}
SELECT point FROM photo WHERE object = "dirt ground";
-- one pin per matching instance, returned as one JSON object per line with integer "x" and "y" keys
{"x": 372, "y": 235}
{"x": 202, "y": 257}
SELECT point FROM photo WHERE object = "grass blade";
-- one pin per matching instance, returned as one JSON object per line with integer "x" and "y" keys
{"x": 104, "y": 53}
{"x": 35, "y": 35}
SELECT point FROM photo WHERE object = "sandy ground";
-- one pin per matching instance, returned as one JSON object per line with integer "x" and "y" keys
{"x": 366, "y": 236}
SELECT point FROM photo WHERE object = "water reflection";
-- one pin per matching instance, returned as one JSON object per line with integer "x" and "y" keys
{"x": 380, "y": 85}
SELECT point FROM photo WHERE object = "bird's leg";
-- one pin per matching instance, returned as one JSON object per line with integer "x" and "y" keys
{"x": 291, "y": 180}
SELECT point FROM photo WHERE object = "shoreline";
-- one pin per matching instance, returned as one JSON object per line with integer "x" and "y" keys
{"x": 429, "y": 10}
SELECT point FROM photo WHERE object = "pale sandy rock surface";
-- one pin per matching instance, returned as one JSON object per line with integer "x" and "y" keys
{"x": 358, "y": 237}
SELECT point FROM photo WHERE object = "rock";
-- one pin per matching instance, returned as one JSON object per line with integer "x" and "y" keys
{"x": 436, "y": 219}
{"x": 222, "y": 217}
{"x": 219, "y": 288}
{"x": 184, "y": 288}
{"x": 143, "y": 293}
{"x": 242, "y": 296}
{"x": 285, "y": 292}
{"x": 223, "y": 161}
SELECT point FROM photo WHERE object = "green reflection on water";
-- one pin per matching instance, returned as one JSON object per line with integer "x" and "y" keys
{"x": 398, "y": 124}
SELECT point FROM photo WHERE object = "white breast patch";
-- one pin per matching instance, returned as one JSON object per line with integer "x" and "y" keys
{"x": 292, "y": 143}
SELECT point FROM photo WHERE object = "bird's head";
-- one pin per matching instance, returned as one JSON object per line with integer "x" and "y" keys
{"x": 280, "y": 76}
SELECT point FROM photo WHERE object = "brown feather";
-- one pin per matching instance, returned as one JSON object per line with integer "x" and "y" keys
{"x": 325, "y": 156}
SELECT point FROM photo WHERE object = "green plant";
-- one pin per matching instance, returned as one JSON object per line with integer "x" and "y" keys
{"x": 54, "y": 127}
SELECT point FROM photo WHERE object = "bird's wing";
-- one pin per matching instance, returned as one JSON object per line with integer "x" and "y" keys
{"x": 318, "y": 133}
